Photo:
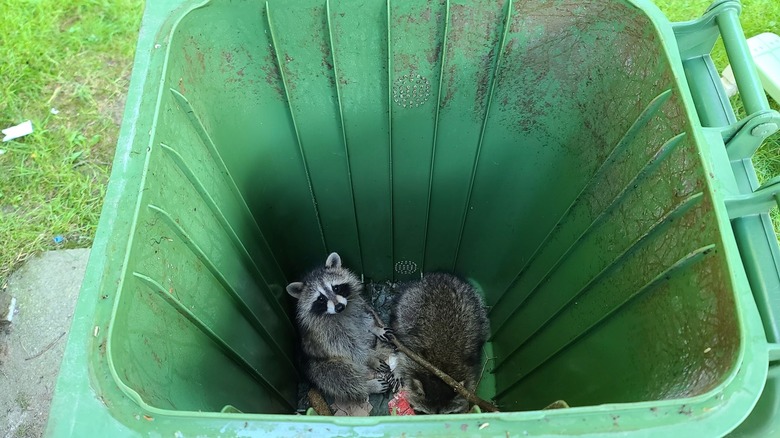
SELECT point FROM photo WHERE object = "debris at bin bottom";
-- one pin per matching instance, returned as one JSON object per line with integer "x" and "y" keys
{"x": 399, "y": 405}
{"x": 342, "y": 409}
{"x": 558, "y": 404}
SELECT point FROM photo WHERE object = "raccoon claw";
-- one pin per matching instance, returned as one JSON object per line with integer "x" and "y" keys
{"x": 397, "y": 383}
{"x": 393, "y": 382}
{"x": 390, "y": 383}
{"x": 378, "y": 386}
{"x": 383, "y": 367}
{"x": 387, "y": 335}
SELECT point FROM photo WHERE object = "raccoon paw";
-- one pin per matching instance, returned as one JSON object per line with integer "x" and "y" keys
{"x": 378, "y": 386}
{"x": 386, "y": 334}
{"x": 393, "y": 382}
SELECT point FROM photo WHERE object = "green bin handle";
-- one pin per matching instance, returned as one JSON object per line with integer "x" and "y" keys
{"x": 696, "y": 39}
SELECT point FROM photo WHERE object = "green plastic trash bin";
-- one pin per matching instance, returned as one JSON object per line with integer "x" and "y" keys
{"x": 575, "y": 159}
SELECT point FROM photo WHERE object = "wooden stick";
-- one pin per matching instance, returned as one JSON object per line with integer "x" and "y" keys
{"x": 317, "y": 401}
{"x": 460, "y": 389}
{"x": 46, "y": 348}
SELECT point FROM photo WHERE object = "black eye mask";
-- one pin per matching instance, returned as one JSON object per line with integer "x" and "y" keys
{"x": 341, "y": 289}
{"x": 320, "y": 305}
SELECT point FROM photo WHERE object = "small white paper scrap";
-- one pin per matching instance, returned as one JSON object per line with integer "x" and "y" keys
{"x": 17, "y": 131}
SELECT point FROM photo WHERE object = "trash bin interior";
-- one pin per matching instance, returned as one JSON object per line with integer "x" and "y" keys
{"x": 542, "y": 150}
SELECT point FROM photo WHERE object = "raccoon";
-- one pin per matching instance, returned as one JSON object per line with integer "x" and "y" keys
{"x": 338, "y": 333}
{"x": 441, "y": 318}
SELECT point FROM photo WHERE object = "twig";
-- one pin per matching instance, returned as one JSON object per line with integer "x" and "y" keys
{"x": 377, "y": 320}
{"x": 54, "y": 95}
{"x": 21, "y": 344}
{"x": 317, "y": 401}
{"x": 460, "y": 389}
{"x": 46, "y": 348}
{"x": 484, "y": 367}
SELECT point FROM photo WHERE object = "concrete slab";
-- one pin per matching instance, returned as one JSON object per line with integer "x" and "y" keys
{"x": 31, "y": 347}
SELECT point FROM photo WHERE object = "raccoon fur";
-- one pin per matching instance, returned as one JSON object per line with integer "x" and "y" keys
{"x": 442, "y": 318}
{"x": 338, "y": 333}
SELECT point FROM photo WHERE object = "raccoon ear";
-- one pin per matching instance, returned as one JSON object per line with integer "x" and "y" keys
{"x": 295, "y": 289}
{"x": 333, "y": 261}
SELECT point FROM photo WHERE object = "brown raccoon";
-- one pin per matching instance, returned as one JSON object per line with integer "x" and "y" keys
{"x": 442, "y": 318}
{"x": 338, "y": 333}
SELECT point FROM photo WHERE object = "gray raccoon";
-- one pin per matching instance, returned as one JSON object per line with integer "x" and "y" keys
{"x": 442, "y": 318}
{"x": 338, "y": 333}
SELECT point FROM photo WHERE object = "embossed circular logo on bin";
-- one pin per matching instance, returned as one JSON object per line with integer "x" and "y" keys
{"x": 405, "y": 267}
{"x": 411, "y": 91}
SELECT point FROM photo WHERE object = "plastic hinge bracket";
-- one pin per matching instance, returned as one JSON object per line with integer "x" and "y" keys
{"x": 760, "y": 201}
{"x": 774, "y": 352}
{"x": 743, "y": 138}
{"x": 697, "y": 37}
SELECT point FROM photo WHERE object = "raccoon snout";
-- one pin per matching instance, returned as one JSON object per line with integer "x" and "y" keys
{"x": 339, "y": 307}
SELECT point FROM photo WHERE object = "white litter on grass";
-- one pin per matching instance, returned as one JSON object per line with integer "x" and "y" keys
{"x": 54, "y": 111}
{"x": 17, "y": 131}
{"x": 2, "y": 151}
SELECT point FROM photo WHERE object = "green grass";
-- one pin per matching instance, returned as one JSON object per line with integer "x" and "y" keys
{"x": 75, "y": 57}
{"x": 757, "y": 16}
{"x": 23, "y": 401}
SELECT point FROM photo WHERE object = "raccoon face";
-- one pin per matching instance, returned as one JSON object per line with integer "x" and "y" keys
{"x": 430, "y": 395}
{"x": 325, "y": 291}
{"x": 328, "y": 300}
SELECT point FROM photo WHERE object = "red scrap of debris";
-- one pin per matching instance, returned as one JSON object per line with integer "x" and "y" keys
{"x": 399, "y": 404}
